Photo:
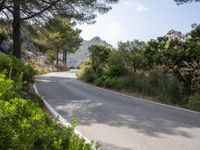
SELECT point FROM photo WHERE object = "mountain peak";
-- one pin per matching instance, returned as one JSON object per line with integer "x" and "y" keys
{"x": 173, "y": 34}
{"x": 96, "y": 38}
{"x": 73, "y": 60}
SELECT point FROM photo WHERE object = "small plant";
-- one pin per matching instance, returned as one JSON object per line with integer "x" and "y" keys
{"x": 194, "y": 102}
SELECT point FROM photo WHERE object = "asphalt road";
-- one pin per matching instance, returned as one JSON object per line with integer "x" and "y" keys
{"x": 120, "y": 122}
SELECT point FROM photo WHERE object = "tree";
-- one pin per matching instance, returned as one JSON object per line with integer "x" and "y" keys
{"x": 115, "y": 64}
{"x": 185, "y": 1}
{"x": 41, "y": 10}
{"x": 153, "y": 50}
{"x": 58, "y": 34}
{"x": 180, "y": 58}
{"x": 132, "y": 52}
{"x": 99, "y": 56}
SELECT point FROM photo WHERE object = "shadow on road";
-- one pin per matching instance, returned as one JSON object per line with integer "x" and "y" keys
{"x": 89, "y": 106}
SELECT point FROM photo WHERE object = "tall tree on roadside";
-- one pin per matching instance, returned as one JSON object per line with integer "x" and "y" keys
{"x": 132, "y": 54}
{"x": 41, "y": 10}
{"x": 58, "y": 34}
{"x": 99, "y": 55}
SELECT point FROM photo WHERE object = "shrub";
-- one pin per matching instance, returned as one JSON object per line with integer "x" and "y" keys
{"x": 50, "y": 55}
{"x": 17, "y": 69}
{"x": 34, "y": 98}
{"x": 89, "y": 76}
{"x": 100, "y": 81}
{"x": 8, "y": 89}
{"x": 87, "y": 72}
{"x": 194, "y": 102}
{"x": 24, "y": 125}
{"x": 109, "y": 82}
{"x": 124, "y": 83}
{"x": 115, "y": 64}
{"x": 141, "y": 83}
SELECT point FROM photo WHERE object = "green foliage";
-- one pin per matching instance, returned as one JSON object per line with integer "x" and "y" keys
{"x": 34, "y": 98}
{"x": 194, "y": 102}
{"x": 132, "y": 55}
{"x": 57, "y": 35}
{"x": 99, "y": 56}
{"x": 87, "y": 72}
{"x": 24, "y": 125}
{"x": 50, "y": 55}
{"x": 166, "y": 69}
{"x": 124, "y": 83}
{"x": 115, "y": 64}
{"x": 195, "y": 33}
{"x": 7, "y": 88}
{"x": 16, "y": 69}
{"x": 33, "y": 129}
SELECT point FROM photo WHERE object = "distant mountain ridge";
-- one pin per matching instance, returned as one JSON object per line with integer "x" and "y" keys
{"x": 172, "y": 35}
{"x": 74, "y": 60}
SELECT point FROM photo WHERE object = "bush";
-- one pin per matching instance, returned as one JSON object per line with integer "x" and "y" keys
{"x": 124, "y": 83}
{"x": 34, "y": 98}
{"x": 24, "y": 125}
{"x": 89, "y": 76}
{"x": 141, "y": 83}
{"x": 17, "y": 69}
{"x": 115, "y": 64}
{"x": 87, "y": 73}
{"x": 194, "y": 102}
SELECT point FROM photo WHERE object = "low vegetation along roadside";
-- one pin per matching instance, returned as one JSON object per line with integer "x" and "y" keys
{"x": 24, "y": 124}
{"x": 168, "y": 70}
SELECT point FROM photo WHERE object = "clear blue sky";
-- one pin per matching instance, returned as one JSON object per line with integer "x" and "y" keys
{"x": 142, "y": 19}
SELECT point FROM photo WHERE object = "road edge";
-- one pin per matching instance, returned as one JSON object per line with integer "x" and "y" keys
{"x": 141, "y": 99}
{"x": 64, "y": 122}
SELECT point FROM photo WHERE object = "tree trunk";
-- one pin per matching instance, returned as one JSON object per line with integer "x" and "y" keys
{"x": 16, "y": 29}
{"x": 65, "y": 58}
{"x": 57, "y": 57}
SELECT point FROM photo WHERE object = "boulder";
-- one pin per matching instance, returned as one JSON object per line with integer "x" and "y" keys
{"x": 6, "y": 46}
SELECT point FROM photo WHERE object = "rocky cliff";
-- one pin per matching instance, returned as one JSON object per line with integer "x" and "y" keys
{"x": 172, "y": 35}
{"x": 73, "y": 60}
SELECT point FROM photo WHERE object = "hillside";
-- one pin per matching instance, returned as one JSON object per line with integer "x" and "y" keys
{"x": 73, "y": 60}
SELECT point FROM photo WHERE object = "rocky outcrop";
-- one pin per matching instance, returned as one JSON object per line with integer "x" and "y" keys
{"x": 6, "y": 45}
{"x": 172, "y": 35}
{"x": 30, "y": 51}
{"x": 74, "y": 60}
{"x": 28, "y": 42}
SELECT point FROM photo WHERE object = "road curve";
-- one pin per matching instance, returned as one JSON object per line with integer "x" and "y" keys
{"x": 120, "y": 122}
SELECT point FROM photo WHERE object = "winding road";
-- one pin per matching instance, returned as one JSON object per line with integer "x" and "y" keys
{"x": 117, "y": 121}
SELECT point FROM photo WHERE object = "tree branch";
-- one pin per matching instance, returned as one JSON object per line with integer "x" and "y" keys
{"x": 40, "y": 12}
{"x": 2, "y": 2}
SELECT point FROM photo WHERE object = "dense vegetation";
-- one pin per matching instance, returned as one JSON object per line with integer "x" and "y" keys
{"x": 166, "y": 69}
{"x": 23, "y": 123}
{"x": 58, "y": 35}
{"x": 38, "y": 11}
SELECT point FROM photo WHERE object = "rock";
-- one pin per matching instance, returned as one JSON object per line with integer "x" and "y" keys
{"x": 172, "y": 35}
{"x": 28, "y": 42}
{"x": 6, "y": 46}
{"x": 29, "y": 55}
{"x": 74, "y": 60}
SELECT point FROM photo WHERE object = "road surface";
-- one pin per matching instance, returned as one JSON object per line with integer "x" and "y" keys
{"x": 120, "y": 122}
